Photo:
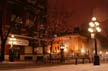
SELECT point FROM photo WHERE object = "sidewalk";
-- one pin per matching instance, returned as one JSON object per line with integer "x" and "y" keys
{"x": 17, "y": 62}
{"x": 16, "y": 65}
{"x": 6, "y": 65}
{"x": 71, "y": 67}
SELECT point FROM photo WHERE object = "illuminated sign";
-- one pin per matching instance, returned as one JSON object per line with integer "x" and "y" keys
{"x": 18, "y": 41}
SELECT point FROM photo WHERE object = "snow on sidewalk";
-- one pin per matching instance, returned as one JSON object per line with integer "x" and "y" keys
{"x": 79, "y": 67}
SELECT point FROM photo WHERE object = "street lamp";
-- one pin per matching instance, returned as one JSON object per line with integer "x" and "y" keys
{"x": 12, "y": 41}
{"x": 83, "y": 51}
{"x": 11, "y": 50}
{"x": 93, "y": 29}
{"x": 62, "y": 52}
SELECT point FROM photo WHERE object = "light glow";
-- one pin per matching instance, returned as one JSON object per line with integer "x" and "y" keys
{"x": 94, "y": 27}
{"x": 12, "y": 43}
{"x": 65, "y": 49}
{"x": 12, "y": 36}
{"x": 97, "y": 23}
{"x": 93, "y": 18}
{"x": 93, "y": 51}
{"x": 92, "y": 35}
{"x": 62, "y": 46}
{"x": 48, "y": 51}
{"x": 100, "y": 52}
{"x": 106, "y": 52}
{"x": 91, "y": 24}
{"x": 12, "y": 39}
{"x": 90, "y": 30}
{"x": 82, "y": 50}
{"x": 98, "y": 29}
{"x": 58, "y": 51}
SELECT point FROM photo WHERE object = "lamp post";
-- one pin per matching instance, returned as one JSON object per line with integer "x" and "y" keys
{"x": 83, "y": 55}
{"x": 11, "y": 51}
{"x": 12, "y": 41}
{"x": 93, "y": 29}
{"x": 62, "y": 52}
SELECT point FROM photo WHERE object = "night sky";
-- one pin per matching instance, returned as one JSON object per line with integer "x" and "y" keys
{"x": 81, "y": 12}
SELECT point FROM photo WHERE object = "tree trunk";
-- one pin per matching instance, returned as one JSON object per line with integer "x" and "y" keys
{"x": 2, "y": 50}
{"x": 4, "y": 19}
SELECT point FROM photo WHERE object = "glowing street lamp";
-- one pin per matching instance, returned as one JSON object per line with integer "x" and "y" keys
{"x": 11, "y": 51}
{"x": 93, "y": 29}
{"x": 62, "y": 46}
{"x": 62, "y": 52}
{"x": 83, "y": 51}
{"x": 12, "y": 40}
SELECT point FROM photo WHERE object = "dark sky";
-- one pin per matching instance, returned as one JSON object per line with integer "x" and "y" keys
{"x": 81, "y": 12}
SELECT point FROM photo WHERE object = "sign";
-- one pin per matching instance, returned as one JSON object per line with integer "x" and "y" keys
{"x": 18, "y": 41}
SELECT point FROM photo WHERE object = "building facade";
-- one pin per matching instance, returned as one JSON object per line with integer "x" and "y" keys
{"x": 34, "y": 24}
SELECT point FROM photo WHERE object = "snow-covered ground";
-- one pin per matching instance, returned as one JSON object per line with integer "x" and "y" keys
{"x": 79, "y": 67}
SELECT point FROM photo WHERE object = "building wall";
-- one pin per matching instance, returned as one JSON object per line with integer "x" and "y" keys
{"x": 73, "y": 44}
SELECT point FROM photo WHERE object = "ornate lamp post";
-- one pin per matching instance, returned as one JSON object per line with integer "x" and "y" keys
{"x": 12, "y": 41}
{"x": 93, "y": 29}
{"x": 62, "y": 52}
{"x": 11, "y": 51}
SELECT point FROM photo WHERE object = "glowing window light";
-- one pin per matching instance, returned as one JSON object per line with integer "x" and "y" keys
{"x": 93, "y": 51}
{"x": 48, "y": 51}
{"x": 82, "y": 50}
{"x": 100, "y": 52}
{"x": 106, "y": 52}
{"x": 58, "y": 51}
{"x": 65, "y": 49}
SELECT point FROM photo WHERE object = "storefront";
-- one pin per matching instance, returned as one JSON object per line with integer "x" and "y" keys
{"x": 16, "y": 48}
{"x": 73, "y": 46}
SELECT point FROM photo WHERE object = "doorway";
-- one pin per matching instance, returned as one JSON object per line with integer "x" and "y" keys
{"x": 17, "y": 53}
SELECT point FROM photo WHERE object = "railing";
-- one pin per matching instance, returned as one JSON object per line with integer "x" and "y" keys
{"x": 69, "y": 60}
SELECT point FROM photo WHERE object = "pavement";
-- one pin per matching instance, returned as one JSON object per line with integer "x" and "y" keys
{"x": 6, "y": 65}
{"x": 32, "y": 66}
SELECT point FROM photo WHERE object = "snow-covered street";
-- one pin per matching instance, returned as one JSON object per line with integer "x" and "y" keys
{"x": 70, "y": 67}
